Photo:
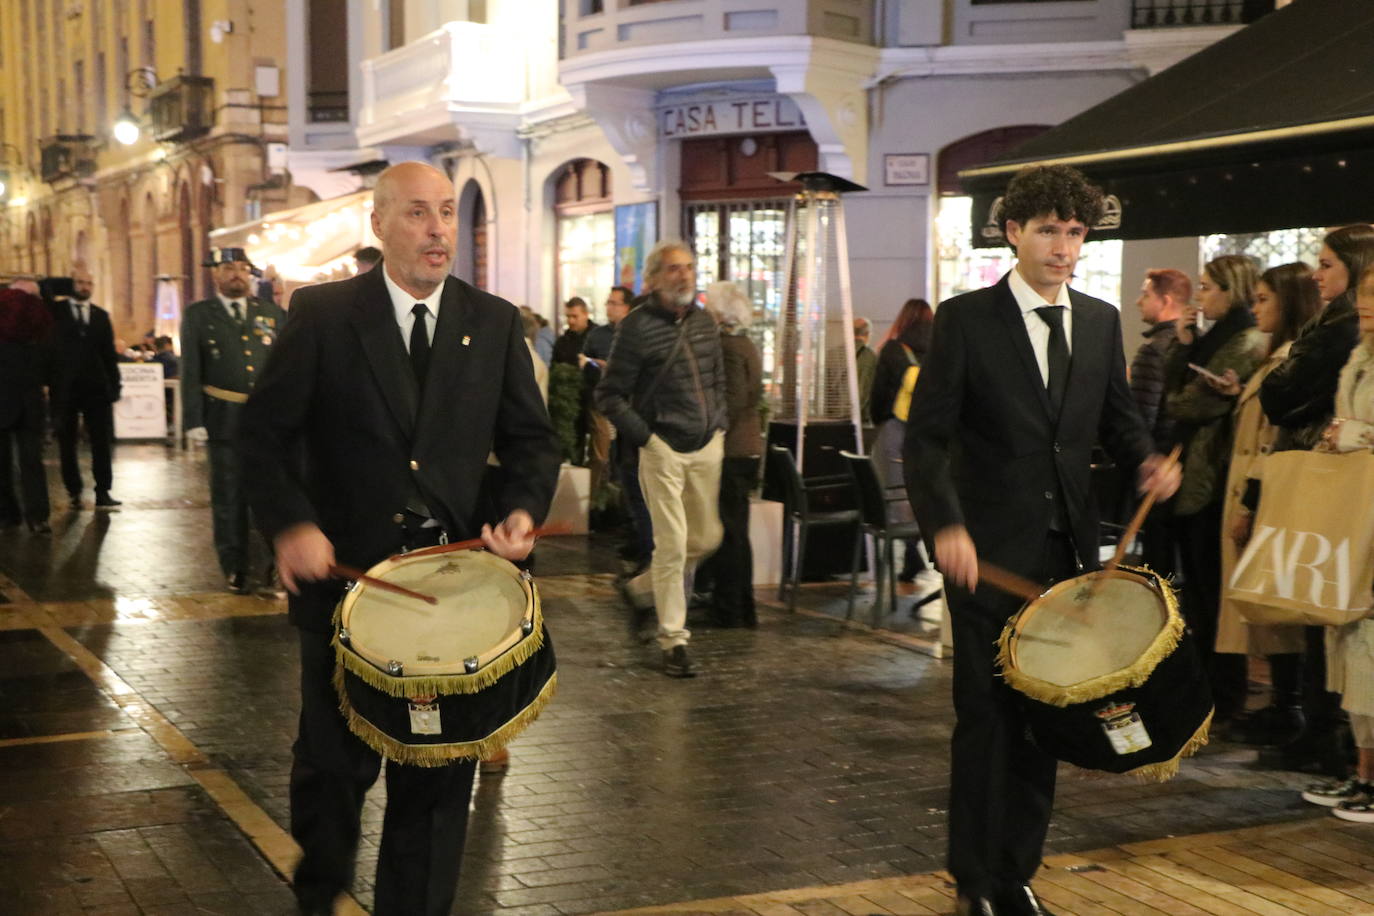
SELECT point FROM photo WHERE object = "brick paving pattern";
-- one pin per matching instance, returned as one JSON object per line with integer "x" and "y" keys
{"x": 806, "y": 755}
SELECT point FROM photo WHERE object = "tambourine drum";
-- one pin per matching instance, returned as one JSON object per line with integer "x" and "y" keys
{"x": 1112, "y": 680}
{"x": 428, "y": 684}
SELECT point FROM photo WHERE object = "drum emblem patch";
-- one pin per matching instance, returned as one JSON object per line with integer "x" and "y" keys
{"x": 424, "y": 719}
{"x": 450, "y": 568}
{"x": 1124, "y": 728}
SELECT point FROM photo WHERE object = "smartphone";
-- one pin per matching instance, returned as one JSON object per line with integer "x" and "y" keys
{"x": 1211, "y": 376}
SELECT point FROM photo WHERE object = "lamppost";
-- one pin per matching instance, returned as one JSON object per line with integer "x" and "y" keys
{"x": 137, "y": 83}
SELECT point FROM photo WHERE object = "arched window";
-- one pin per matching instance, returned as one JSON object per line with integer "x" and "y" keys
{"x": 585, "y": 218}
{"x": 472, "y": 235}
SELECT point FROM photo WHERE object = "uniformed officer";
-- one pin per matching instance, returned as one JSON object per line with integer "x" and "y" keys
{"x": 224, "y": 345}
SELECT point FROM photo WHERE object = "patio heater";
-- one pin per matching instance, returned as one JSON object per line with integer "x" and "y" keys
{"x": 815, "y": 399}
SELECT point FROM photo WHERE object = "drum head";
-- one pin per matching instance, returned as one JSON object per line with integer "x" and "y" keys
{"x": 1063, "y": 638}
{"x": 483, "y": 600}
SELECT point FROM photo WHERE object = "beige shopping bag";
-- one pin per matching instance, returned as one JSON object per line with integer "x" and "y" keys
{"x": 1310, "y": 559}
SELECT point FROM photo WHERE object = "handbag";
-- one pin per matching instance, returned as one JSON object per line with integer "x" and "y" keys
{"x": 1310, "y": 558}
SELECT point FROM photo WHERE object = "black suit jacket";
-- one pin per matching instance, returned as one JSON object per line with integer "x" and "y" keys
{"x": 84, "y": 358}
{"x": 336, "y": 431}
{"x": 983, "y": 447}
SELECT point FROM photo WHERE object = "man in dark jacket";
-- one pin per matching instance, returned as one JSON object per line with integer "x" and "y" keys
{"x": 664, "y": 390}
{"x": 85, "y": 384}
{"x": 25, "y": 328}
{"x": 393, "y": 387}
{"x": 1021, "y": 380}
{"x": 596, "y": 349}
{"x": 224, "y": 345}
{"x": 1163, "y": 295}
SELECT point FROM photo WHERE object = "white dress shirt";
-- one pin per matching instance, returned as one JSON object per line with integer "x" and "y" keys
{"x": 1029, "y": 300}
{"x": 403, "y": 302}
{"x": 79, "y": 308}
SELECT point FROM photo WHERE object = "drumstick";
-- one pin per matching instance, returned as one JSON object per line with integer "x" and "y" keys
{"x": 1131, "y": 530}
{"x": 474, "y": 543}
{"x": 340, "y": 571}
{"x": 1008, "y": 581}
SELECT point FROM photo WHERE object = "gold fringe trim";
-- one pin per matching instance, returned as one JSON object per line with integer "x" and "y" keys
{"x": 1135, "y": 674}
{"x": 437, "y": 755}
{"x": 1166, "y": 770}
{"x": 445, "y": 684}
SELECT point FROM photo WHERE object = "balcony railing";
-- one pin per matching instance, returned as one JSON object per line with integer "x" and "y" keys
{"x": 1154, "y": 14}
{"x": 66, "y": 156}
{"x": 182, "y": 108}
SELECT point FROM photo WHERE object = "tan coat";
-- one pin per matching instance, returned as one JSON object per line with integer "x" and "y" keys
{"x": 1253, "y": 438}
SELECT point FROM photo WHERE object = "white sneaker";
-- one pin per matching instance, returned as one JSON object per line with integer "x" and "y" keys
{"x": 1333, "y": 794}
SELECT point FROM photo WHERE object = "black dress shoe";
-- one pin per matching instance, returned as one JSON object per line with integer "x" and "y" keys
{"x": 1022, "y": 901}
{"x": 40, "y": 527}
{"x": 975, "y": 906}
{"x": 103, "y": 500}
{"x": 238, "y": 583}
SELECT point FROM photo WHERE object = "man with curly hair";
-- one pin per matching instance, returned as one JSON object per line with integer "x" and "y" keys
{"x": 1021, "y": 379}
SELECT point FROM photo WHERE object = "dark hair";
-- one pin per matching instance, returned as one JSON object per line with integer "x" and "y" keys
{"x": 625, "y": 293}
{"x": 367, "y": 255}
{"x": 1165, "y": 281}
{"x": 1043, "y": 190}
{"x": 575, "y": 302}
{"x": 913, "y": 325}
{"x": 1298, "y": 298}
{"x": 1354, "y": 245}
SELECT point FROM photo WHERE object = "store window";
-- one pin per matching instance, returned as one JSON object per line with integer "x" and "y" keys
{"x": 586, "y": 235}
{"x": 735, "y": 216}
{"x": 1269, "y": 249}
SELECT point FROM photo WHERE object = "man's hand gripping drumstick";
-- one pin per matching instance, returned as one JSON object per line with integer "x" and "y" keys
{"x": 1159, "y": 479}
{"x": 304, "y": 554}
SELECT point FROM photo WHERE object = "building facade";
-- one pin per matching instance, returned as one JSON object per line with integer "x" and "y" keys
{"x": 204, "y": 81}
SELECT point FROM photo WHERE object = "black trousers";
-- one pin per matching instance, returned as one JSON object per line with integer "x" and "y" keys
{"x": 732, "y": 565}
{"x": 25, "y": 438}
{"x": 98, "y": 415}
{"x": 425, "y": 824}
{"x": 228, "y": 506}
{"x": 1001, "y": 785}
{"x": 1199, "y": 539}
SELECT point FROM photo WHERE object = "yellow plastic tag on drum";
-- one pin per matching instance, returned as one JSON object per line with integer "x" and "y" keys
{"x": 424, "y": 719}
{"x": 1124, "y": 728}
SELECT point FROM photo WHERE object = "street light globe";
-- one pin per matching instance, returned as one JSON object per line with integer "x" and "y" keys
{"x": 4, "y": 189}
{"x": 126, "y": 130}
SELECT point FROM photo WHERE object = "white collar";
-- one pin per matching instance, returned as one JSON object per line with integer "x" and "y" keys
{"x": 228, "y": 303}
{"x": 1028, "y": 300}
{"x": 403, "y": 302}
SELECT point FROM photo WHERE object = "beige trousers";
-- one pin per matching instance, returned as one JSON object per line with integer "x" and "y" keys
{"x": 682, "y": 490}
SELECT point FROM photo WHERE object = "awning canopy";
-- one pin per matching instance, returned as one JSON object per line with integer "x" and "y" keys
{"x": 308, "y": 243}
{"x": 1269, "y": 128}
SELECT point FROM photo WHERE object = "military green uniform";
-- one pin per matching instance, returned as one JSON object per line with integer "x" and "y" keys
{"x": 220, "y": 360}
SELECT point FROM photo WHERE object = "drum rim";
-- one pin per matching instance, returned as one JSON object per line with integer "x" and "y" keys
{"x": 1133, "y": 675}
{"x": 344, "y": 611}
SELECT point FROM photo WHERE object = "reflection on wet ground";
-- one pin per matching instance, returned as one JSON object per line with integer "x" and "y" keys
{"x": 146, "y": 718}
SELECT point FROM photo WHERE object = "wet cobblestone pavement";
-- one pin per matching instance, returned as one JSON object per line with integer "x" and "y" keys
{"x": 146, "y": 719}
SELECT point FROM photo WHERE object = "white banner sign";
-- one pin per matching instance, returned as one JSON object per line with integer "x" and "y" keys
{"x": 730, "y": 116}
{"x": 141, "y": 411}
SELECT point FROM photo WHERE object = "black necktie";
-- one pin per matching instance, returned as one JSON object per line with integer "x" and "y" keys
{"x": 1053, "y": 315}
{"x": 238, "y": 313}
{"x": 419, "y": 344}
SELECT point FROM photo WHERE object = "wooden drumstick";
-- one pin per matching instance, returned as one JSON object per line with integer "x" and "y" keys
{"x": 339, "y": 571}
{"x": 475, "y": 543}
{"x": 1008, "y": 581}
{"x": 1131, "y": 530}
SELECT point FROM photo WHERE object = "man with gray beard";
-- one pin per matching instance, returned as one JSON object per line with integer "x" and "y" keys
{"x": 664, "y": 391}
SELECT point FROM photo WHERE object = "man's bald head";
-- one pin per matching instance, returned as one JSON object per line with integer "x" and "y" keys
{"x": 415, "y": 216}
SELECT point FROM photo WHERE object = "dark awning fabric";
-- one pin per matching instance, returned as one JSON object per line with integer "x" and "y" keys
{"x": 1272, "y": 127}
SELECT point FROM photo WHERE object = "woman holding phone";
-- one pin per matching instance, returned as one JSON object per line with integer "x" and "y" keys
{"x": 1231, "y": 349}
{"x": 1285, "y": 300}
